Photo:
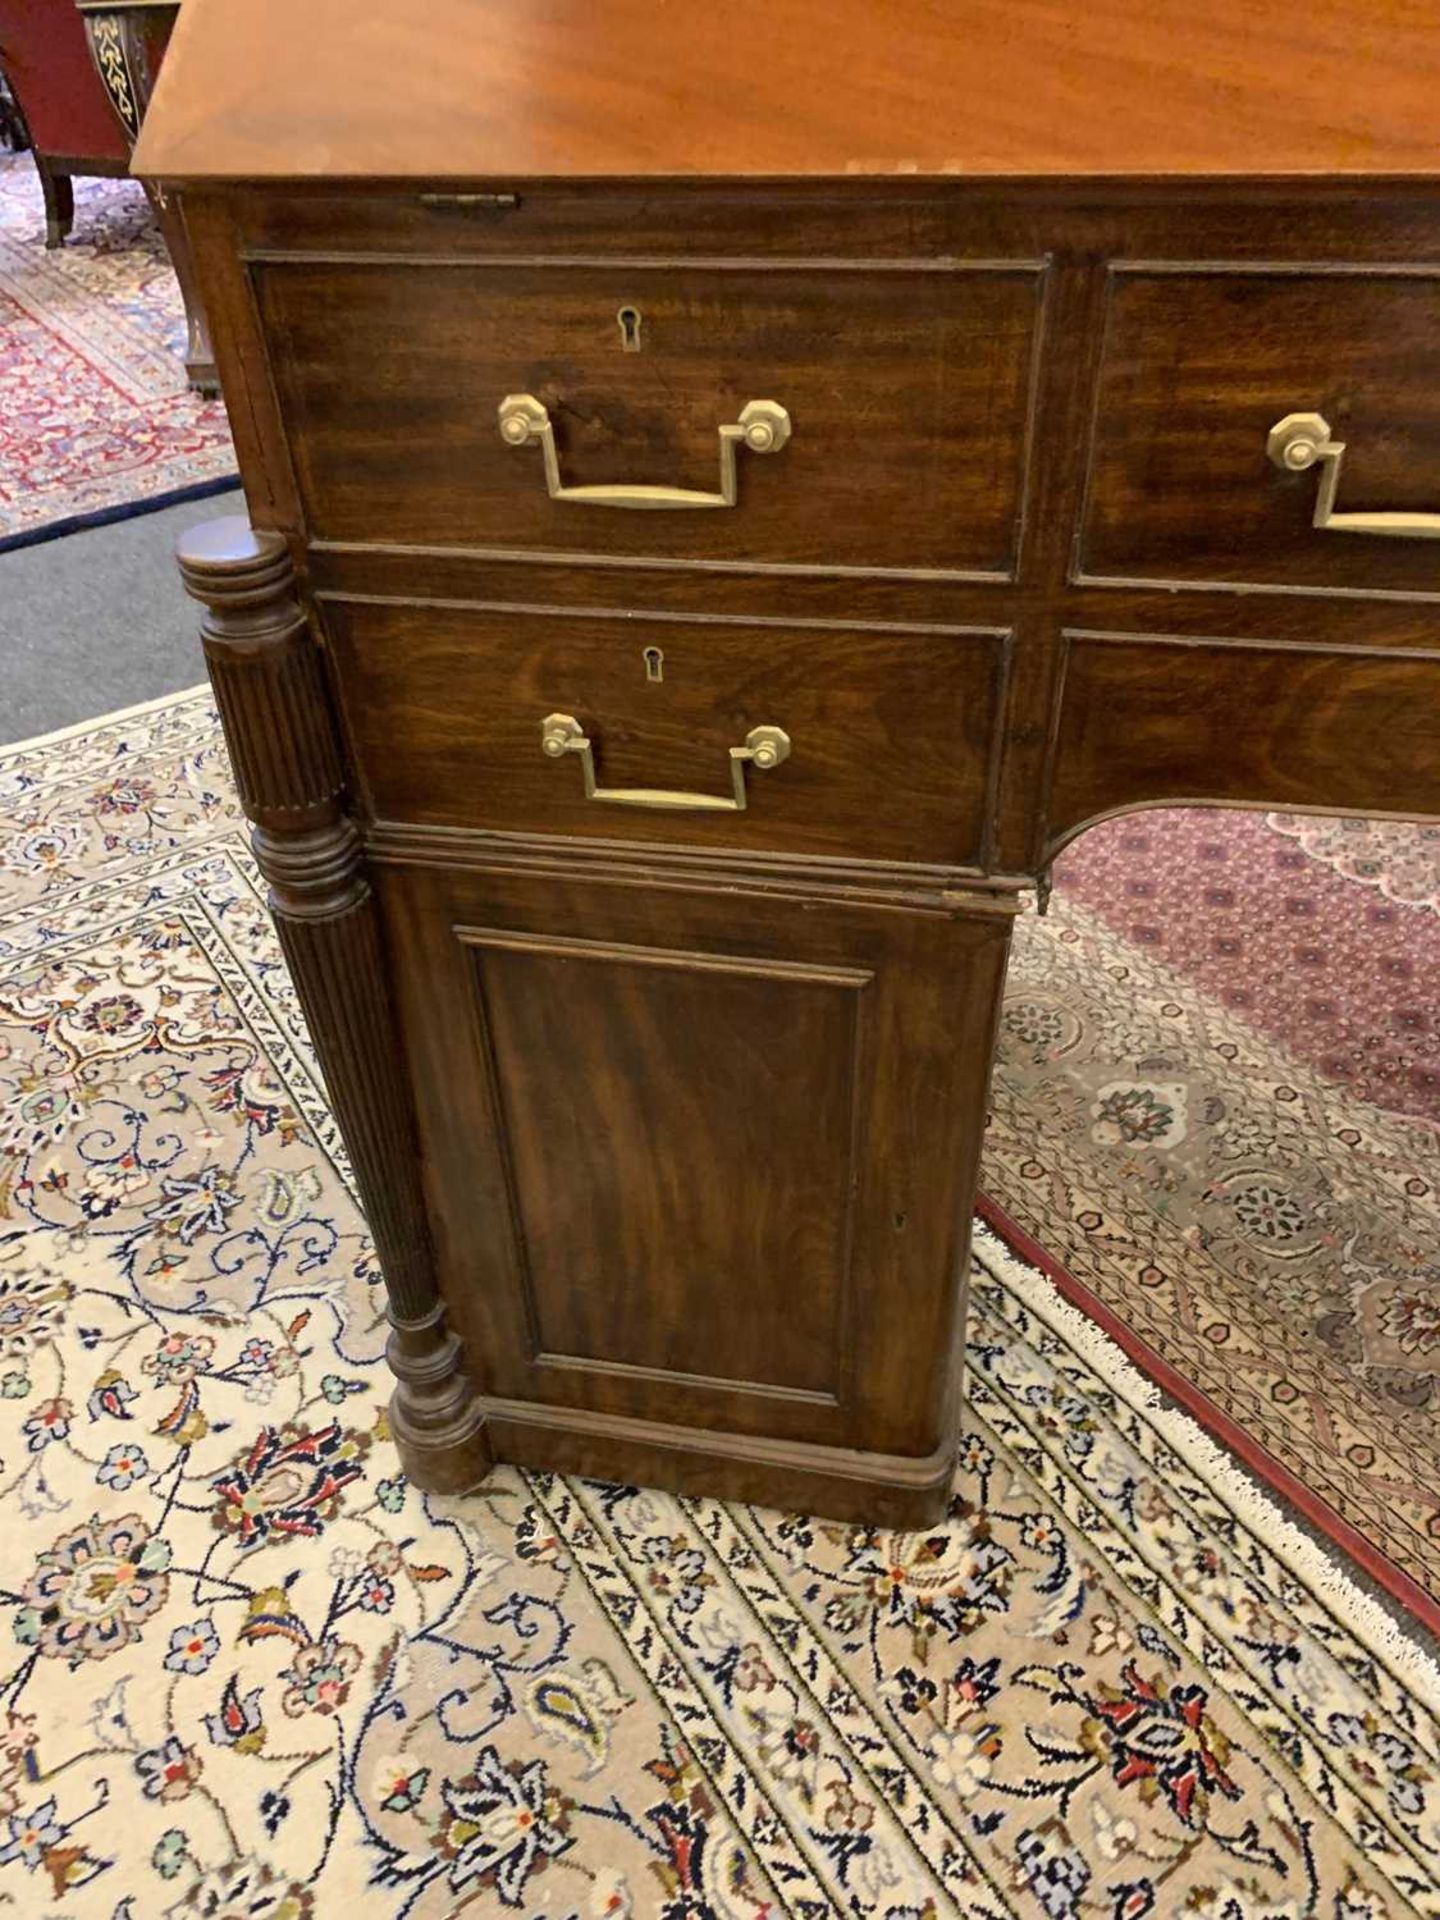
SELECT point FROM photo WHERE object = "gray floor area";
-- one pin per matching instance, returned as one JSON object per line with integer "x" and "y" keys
{"x": 97, "y": 620}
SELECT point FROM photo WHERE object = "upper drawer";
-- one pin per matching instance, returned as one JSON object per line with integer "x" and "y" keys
{"x": 906, "y": 389}
{"x": 1201, "y": 364}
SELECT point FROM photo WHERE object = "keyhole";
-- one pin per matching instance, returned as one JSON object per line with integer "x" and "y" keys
{"x": 629, "y": 319}
{"x": 654, "y": 664}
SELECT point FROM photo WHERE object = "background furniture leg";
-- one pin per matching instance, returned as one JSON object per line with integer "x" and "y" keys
{"x": 127, "y": 43}
{"x": 59, "y": 192}
{"x": 199, "y": 354}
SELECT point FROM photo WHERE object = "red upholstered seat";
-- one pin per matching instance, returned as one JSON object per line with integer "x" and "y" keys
{"x": 46, "y": 59}
{"x": 43, "y": 51}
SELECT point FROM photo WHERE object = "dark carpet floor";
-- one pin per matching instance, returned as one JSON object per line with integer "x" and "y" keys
{"x": 97, "y": 620}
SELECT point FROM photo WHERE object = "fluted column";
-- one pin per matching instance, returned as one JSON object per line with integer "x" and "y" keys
{"x": 284, "y": 748}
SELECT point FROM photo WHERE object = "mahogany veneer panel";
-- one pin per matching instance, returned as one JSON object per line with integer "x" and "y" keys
{"x": 1342, "y": 729}
{"x": 756, "y": 89}
{"x": 594, "y": 1107}
{"x": 621, "y": 1191}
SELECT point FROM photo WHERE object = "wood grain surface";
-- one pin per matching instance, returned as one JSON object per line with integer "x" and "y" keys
{"x": 907, "y": 391}
{"x": 537, "y": 89}
{"x": 1341, "y": 730}
{"x": 704, "y": 1161}
{"x": 1199, "y": 362}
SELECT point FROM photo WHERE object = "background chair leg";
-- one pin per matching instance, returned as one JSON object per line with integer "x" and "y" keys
{"x": 59, "y": 195}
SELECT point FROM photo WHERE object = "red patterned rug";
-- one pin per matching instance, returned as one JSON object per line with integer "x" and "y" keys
{"x": 1215, "y": 1126}
{"x": 97, "y": 419}
{"x": 1324, "y": 933}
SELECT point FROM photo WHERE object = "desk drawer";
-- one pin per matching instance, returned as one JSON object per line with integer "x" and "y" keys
{"x": 848, "y": 742}
{"x": 904, "y": 390}
{"x": 1201, "y": 364}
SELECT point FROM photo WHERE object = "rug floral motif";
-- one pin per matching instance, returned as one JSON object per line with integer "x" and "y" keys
{"x": 97, "y": 411}
{"x": 251, "y": 1671}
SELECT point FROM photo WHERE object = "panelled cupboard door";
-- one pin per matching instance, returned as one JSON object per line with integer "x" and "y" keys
{"x": 696, "y": 1157}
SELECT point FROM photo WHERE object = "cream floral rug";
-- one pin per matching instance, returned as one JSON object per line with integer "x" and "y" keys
{"x": 251, "y": 1672}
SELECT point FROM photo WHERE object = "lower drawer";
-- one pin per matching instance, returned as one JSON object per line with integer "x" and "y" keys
{"x": 865, "y": 743}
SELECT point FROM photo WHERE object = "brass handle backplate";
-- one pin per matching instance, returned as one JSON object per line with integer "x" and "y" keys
{"x": 1302, "y": 440}
{"x": 763, "y": 427}
{"x": 765, "y": 747}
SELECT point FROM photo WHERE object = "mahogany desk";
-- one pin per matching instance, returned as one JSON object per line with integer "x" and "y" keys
{"x": 734, "y": 489}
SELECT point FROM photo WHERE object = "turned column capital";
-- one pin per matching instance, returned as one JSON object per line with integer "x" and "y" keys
{"x": 230, "y": 566}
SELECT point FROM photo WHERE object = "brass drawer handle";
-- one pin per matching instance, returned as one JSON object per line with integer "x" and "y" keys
{"x": 1299, "y": 441}
{"x": 763, "y": 427}
{"x": 765, "y": 747}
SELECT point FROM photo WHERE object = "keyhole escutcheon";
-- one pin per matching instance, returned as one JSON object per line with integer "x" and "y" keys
{"x": 629, "y": 322}
{"x": 654, "y": 663}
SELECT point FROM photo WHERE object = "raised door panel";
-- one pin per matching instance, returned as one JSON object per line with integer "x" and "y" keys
{"x": 640, "y": 1092}
{"x": 694, "y": 1157}
{"x": 906, "y": 386}
{"x": 1200, "y": 363}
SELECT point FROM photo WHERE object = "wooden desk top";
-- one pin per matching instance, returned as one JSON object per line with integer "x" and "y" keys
{"x": 535, "y": 89}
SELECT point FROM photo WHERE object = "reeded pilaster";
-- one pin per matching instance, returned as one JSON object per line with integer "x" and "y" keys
{"x": 289, "y": 769}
